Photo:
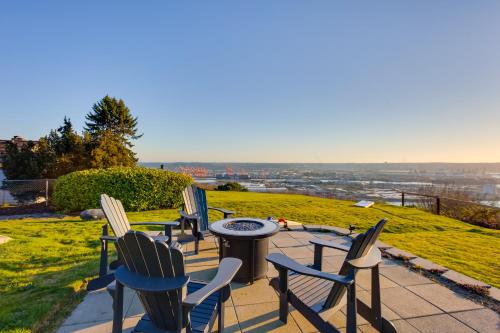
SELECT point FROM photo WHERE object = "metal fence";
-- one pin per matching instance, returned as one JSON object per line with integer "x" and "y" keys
{"x": 26, "y": 192}
{"x": 467, "y": 211}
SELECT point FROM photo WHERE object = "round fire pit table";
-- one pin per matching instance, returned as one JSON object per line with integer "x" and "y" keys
{"x": 247, "y": 239}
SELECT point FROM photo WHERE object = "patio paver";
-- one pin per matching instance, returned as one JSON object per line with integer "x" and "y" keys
{"x": 482, "y": 320}
{"x": 443, "y": 298}
{"x": 403, "y": 276}
{"x": 258, "y": 292}
{"x": 412, "y": 302}
{"x": 438, "y": 324}
{"x": 407, "y": 304}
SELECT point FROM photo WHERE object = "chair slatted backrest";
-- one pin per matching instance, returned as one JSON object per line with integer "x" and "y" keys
{"x": 360, "y": 247}
{"x": 195, "y": 202}
{"x": 115, "y": 214}
{"x": 149, "y": 258}
{"x": 201, "y": 200}
{"x": 188, "y": 194}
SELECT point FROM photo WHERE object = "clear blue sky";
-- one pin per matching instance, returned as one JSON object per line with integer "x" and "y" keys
{"x": 263, "y": 81}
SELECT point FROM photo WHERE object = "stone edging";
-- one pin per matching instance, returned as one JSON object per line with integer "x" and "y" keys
{"x": 31, "y": 216}
{"x": 421, "y": 264}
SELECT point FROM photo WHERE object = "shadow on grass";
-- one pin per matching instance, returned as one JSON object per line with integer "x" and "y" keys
{"x": 38, "y": 292}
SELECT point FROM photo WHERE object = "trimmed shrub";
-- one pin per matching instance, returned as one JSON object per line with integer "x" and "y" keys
{"x": 231, "y": 186}
{"x": 136, "y": 187}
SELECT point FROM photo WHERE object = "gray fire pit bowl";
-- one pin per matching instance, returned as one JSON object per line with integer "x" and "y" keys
{"x": 247, "y": 239}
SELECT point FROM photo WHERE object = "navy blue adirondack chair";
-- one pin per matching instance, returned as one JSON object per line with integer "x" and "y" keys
{"x": 194, "y": 215}
{"x": 172, "y": 302}
{"x": 317, "y": 295}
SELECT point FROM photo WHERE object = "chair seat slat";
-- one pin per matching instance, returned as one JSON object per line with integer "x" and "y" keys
{"x": 304, "y": 285}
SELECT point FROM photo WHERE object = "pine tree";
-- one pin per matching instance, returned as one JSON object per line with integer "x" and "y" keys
{"x": 111, "y": 152}
{"x": 112, "y": 116}
{"x": 111, "y": 127}
{"x": 62, "y": 151}
{"x": 22, "y": 162}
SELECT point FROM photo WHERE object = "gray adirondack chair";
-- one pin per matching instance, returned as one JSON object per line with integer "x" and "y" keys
{"x": 117, "y": 219}
{"x": 171, "y": 301}
{"x": 195, "y": 215}
{"x": 318, "y": 295}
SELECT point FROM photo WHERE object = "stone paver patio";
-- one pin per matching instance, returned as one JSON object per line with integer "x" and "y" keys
{"x": 411, "y": 301}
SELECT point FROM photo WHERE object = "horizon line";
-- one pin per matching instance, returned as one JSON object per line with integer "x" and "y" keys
{"x": 319, "y": 162}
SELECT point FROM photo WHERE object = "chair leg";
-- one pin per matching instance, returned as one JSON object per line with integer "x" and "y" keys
{"x": 318, "y": 256}
{"x": 183, "y": 226}
{"x": 220, "y": 319}
{"x": 224, "y": 295}
{"x": 376, "y": 302}
{"x": 168, "y": 233}
{"x": 103, "y": 265}
{"x": 283, "y": 286}
{"x": 196, "y": 246}
{"x": 351, "y": 308}
{"x": 118, "y": 308}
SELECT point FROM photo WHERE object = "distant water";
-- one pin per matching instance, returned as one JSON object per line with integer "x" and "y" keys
{"x": 487, "y": 168}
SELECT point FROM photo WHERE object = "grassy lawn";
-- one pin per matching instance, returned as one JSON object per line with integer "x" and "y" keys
{"x": 46, "y": 265}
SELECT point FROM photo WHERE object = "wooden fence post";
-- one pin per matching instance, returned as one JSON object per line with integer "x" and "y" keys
{"x": 46, "y": 192}
{"x": 438, "y": 205}
{"x": 402, "y": 199}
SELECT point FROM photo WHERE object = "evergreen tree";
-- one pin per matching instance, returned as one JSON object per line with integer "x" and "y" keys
{"x": 60, "y": 152}
{"x": 68, "y": 148}
{"x": 111, "y": 152}
{"x": 110, "y": 128}
{"x": 112, "y": 116}
{"x": 22, "y": 162}
{"x": 106, "y": 142}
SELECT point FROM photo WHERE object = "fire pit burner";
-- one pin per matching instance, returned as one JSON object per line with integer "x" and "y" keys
{"x": 243, "y": 225}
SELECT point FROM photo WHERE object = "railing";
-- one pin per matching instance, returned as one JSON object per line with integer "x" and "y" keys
{"x": 435, "y": 197}
{"x": 467, "y": 211}
{"x": 25, "y": 192}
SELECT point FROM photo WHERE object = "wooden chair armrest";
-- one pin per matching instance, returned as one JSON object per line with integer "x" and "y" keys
{"x": 188, "y": 216}
{"x": 170, "y": 223}
{"x": 370, "y": 260}
{"x": 108, "y": 238}
{"x": 226, "y": 212}
{"x": 228, "y": 268}
{"x": 329, "y": 244}
{"x": 149, "y": 284}
{"x": 280, "y": 261}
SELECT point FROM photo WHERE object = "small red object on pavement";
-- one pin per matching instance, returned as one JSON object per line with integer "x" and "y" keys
{"x": 282, "y": 220}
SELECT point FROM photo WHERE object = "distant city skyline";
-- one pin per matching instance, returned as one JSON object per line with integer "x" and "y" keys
{"x": 281, "y": 81}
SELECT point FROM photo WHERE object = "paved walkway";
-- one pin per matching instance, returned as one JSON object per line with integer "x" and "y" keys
{"x": 411, "y": 301}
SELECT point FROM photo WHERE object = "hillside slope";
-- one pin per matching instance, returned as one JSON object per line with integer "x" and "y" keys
{"x": 472, "y": 250}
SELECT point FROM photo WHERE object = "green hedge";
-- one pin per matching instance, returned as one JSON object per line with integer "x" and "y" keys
{"x": 138, "y": 188}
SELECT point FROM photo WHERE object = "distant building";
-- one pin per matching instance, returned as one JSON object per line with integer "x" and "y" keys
{"x": 19, "y": 141}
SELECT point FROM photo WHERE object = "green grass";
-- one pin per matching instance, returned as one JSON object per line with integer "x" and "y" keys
{"x": 45, "y": 266}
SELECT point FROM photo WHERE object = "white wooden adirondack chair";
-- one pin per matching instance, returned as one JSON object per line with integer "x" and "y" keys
{"x": 117, "y": 219}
